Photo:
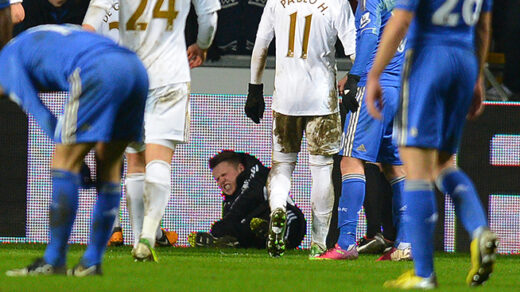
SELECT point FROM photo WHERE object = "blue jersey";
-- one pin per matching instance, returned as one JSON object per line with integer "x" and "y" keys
{"x": 371, "y": 18}
{"x": 444, "y": 22}
{"x": 4, "y": 3}
{"x": 62, "y": 58}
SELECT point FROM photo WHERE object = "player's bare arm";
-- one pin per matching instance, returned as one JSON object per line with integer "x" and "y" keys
{"x": 394, "y": 33}
{"x": 6, "y": 26}
{"x": 482, "y": 35}
{"x": 206, "y": 32}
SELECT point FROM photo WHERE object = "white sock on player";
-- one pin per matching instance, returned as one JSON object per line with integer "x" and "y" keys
{"x": 157, "y": 186}
{"x": 279, "y": 181}
{"x": 134, "y": 184}
{"x": 322, "y": 197}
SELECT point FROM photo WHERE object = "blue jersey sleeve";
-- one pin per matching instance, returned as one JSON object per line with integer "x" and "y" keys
{"x": 18, "y": 85}
{"x": 410, "y": 5}
{"x": 4, "y": 3}
{"x": 369, "y": 25}
{"x": 365, "y": 47}
{"x": 487, "y": 5}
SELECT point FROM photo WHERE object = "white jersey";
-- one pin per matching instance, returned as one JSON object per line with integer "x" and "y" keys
{"x": 110, "y": 25}
{"x": 306, "y": 32}
{"x": 154, "y": 29}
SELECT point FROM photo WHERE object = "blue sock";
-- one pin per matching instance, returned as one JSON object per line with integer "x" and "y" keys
{"x": 105, "y": 211}
{"x": 468, "y": 207}
{"x": 398, "y": 209}
{"x": 350, "y": 203}
{"x": 420, "y": 223}
{"x": 62, "y": 214}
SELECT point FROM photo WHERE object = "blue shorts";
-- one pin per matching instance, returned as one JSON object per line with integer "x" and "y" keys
{"x": 369, "y": 139}
{"x": 437, "y": 91}
{"x": 107, "y": 101}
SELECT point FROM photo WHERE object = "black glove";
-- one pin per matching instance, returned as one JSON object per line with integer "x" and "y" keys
{"x": 348, "y": 101}
{"x": 86, "y": 180}
{"x": 255, "y": 104}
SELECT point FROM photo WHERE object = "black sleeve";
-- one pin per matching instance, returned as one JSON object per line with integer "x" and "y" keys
{"x": 247, "y": 201}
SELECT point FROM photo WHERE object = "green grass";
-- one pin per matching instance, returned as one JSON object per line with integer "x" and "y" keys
{"x": 189, "y": 269}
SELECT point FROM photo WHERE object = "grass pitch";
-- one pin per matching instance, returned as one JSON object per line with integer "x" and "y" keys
{"x": 190, "y": 269}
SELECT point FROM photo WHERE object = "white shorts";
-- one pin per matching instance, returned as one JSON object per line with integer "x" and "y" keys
{"x": 166, "y": 117}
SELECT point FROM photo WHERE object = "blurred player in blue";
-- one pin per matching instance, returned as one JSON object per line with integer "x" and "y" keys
{"x": 108, "y": 86}
{"x": 367, "y": 139}
{"x": 441, "y": 86}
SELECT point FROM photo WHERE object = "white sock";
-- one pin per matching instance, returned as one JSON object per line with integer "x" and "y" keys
{"x": 279, "y": 180}
{"x": 157, "y": 187}
{"x": 134, "y": 184}
{"x": 322, "y": 197}
{"x": 404, "y": 245}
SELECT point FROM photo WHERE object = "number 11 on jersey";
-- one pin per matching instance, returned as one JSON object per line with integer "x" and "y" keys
{"x": 306, "y": 33}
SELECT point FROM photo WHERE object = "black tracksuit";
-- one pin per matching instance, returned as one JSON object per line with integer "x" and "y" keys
{"x": 250, "y": 201}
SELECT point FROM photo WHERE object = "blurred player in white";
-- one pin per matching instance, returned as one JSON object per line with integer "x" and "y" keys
{"x": 109, "y": 27}
{"x": 155, "y": 30}
{"x": 305, "y": 100}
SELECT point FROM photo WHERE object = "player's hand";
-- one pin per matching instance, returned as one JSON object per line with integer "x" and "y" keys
{"x": 17, "y": 13}
{"x": 88, "y": 27}
{"x": 477, "y": 105}
{"x": 374, "y": 97}
{"x": 196, "y": 55}
{"x": 255, "y": 104}
{"x": 348, "y": 94}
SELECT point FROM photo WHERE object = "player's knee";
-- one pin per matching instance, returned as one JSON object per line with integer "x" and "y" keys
{"x": 351, "y": 165}
{"x": 169, "y": 144}
{"x": 135, "y": 163}
{"x": 393, "y": 171}
{"x": 158, "y": 171}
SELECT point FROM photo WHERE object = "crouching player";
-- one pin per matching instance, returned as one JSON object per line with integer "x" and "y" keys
{"x": 105, "y": 111}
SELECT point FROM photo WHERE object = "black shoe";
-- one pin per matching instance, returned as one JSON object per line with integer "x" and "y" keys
{"x": 39, "y": 267}
{"x": 276, "y": 236}
{"x": 81, "y": 271}
{"x": 373, "y": 245}
{"x": 205, "y": 239}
